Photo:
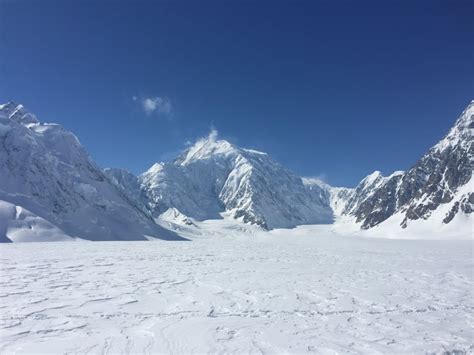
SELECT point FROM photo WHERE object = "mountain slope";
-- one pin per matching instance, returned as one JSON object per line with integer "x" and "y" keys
{"x": 45, "y": 170}
{"x": 214, "y": 176}
{"x": 441, "y": 178}
{"x": 50, "y": 189}
{"x": 20, "y": 225}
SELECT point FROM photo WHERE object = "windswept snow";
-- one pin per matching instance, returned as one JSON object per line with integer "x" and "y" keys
{"x": 297, "y": 291}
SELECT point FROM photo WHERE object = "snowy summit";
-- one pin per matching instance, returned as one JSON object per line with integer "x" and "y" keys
{"x": 48, "y": 173}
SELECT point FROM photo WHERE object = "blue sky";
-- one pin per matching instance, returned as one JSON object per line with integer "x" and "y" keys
{"x": 328, "y": 88}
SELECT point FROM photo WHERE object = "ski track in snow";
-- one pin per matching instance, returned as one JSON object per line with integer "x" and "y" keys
{"x": 251, "y": 294}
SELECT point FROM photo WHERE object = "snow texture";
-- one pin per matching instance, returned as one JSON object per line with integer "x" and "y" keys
{"x": 304, "y": 290}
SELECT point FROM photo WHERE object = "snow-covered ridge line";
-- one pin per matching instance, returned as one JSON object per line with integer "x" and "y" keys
{"x": 214, "y": 176}
{"x": 440, "y": 180}
{"x": 44, "y": 169}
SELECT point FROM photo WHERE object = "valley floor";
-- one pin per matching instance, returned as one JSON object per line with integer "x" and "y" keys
{"x": 279, "y": 292}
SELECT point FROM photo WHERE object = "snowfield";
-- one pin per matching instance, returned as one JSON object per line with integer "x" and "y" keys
{"x": 286, "y": 291}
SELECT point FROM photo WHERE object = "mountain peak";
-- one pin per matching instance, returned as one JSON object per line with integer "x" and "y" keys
{"x": 466, "y": 120}
{"x": 10, "y": 107}
{"x": 462, "y": 132}
{"x": 206, "y": 147}
{"x": 18, "y": 112}
{"x": 371, "y": 178}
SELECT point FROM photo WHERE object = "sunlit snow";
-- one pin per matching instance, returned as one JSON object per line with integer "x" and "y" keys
{"x": 238, "y": 290}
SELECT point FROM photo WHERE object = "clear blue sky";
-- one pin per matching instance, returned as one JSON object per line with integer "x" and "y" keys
{"x": 331, "y": 88}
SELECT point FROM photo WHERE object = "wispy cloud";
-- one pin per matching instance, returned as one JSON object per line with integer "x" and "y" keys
{"x": 322, "y": 176}
{"x": 213, "y": 134}
{"x": 321, "y": 179}
{"x": 156, "y": 105}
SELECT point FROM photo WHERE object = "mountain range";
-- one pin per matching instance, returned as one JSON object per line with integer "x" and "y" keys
{"x": 51, "y": 189}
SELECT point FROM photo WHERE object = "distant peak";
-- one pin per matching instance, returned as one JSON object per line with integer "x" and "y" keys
{"x": 18, "y": 112}
{"x": 374, "y": 175}
{"x": 396, "y": 173}
{"x": 206, "y": 147}
{"x": 372, "y": 179}
{"x": 10, "y": 107}
{"x": 467, "y": 117}
{"x": 212, "y": 139}
{"x": 462, "y": 132}
{"x": 11, "y": 104}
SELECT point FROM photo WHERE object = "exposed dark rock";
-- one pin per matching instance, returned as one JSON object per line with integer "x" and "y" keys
{"x": 434, "y": 180}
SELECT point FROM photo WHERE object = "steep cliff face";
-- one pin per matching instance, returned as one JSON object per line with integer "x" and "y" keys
{"x": 438, "y": 178}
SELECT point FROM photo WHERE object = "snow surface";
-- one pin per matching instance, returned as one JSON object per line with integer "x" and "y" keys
{"x": 17, "y": 224}
{"x": 304, "y": 290}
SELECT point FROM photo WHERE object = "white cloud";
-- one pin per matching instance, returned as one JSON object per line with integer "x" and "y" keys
{"x": 213, "y": 134}
{"x": 159, "y": 105}
{"x": 320, "y": 179}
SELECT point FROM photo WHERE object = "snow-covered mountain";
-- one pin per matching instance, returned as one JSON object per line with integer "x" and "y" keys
{"x": 46, "y": 173}
{"x": 438, "y": 188}
{"x": 50, "y": 189}
{"x": 214, "y": 176}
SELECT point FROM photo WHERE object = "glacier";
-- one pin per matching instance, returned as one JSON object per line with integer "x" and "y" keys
{"x": 300, "y": 290}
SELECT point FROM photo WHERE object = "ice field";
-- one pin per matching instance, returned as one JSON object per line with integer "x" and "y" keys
{"x": 292, "y": 291}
